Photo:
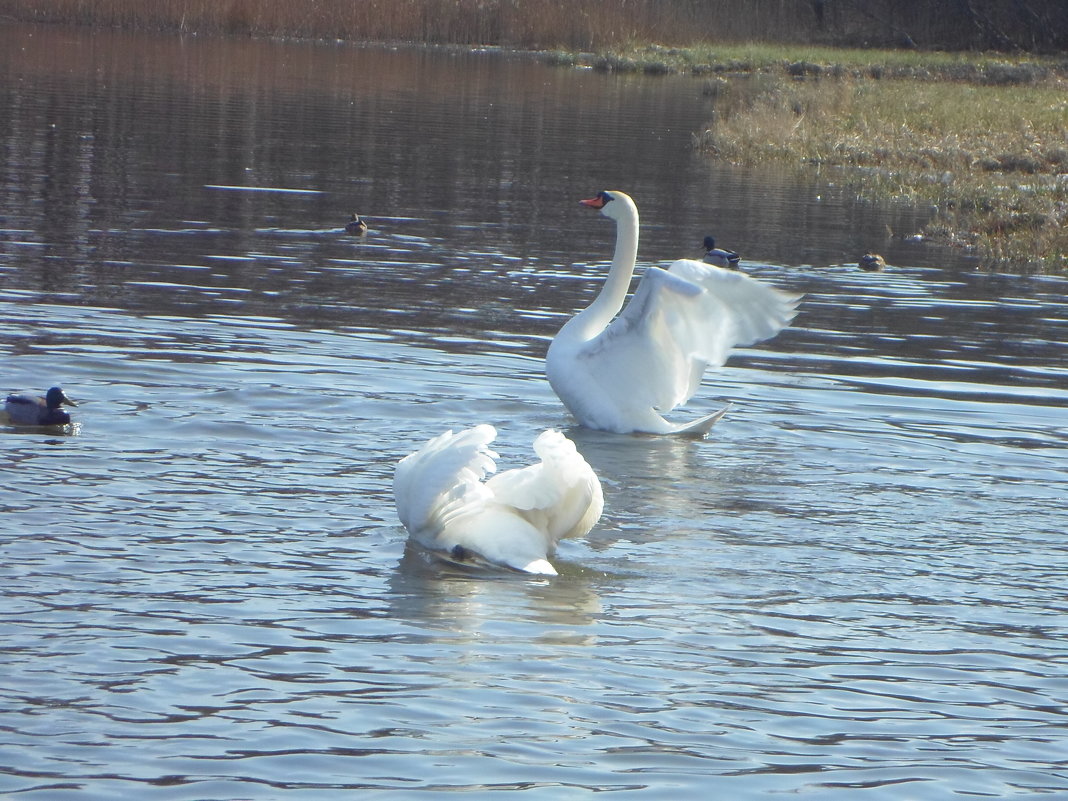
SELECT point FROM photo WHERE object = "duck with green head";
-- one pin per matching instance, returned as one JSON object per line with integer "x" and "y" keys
{"x": 720, "y": 257}
{"x": 30, "y": 410}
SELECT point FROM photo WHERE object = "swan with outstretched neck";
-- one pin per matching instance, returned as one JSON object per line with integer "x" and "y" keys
{"x": 515, "y": 518}
{"x": 620, "y": 373}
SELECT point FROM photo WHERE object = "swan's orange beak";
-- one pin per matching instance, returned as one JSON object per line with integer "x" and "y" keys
{"x": 594, "y": 202}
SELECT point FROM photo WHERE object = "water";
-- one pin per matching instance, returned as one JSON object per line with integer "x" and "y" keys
{"x": 854, "y": 588}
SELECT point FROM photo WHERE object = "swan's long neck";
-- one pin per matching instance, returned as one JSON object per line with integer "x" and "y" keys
{"x": 593, "y": 319}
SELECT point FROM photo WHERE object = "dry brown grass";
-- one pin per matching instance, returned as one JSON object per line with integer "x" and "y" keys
{"x": 992, "y": 160}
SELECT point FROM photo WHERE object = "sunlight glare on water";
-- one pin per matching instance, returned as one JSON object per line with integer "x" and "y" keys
{"x": 853, "y": 588}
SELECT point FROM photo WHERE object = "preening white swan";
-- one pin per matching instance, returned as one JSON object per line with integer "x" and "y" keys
{"x": 516, "y": 518}
{"x": 620, "y": 374}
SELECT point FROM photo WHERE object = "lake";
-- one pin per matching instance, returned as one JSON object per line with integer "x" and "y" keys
{"x": 854, "y": 588}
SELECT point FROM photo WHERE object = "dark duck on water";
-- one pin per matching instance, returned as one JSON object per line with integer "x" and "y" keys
{"x": 28, "y": 410}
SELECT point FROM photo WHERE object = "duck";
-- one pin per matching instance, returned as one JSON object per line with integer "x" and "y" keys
{"x": 356, "y": 226}
{"x": 718, "y": 256}
{"x": 513, "y": 520}
{"x": 621, "y": 373}
{"x": 872, "y": 262}
{"x": 30, "y": 410}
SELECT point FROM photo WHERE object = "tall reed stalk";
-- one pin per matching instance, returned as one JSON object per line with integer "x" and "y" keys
{"x": 588, "y": 24}
{"x": 577, "y": 24}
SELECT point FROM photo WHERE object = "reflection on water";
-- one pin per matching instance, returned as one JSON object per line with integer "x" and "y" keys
{"x": 854, "y": 583}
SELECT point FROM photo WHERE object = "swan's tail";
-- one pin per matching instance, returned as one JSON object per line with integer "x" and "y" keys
{"x": 701, "y": 426}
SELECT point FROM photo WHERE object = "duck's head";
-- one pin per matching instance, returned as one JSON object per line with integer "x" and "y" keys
{"x": 56, "y": 397}
{"x": 710, "y": 243}
{"x": 612, "y": 203}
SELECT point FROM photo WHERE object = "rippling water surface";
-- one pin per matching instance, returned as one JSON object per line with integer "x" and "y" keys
{"x": 853, "y": 589}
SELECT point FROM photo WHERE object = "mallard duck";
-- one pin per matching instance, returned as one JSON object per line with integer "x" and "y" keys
{"x": 27, "y": 410}
{"x": 718, "y": 256}
{"x": 356, "y": 226}
{"x": 872, "y": 262}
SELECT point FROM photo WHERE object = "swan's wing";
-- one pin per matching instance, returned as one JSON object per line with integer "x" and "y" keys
{"x": 443, "y": 479}
{"x": 756, "y": 311}
{"x": 679, "y": 322}
{"x": 561, "y": 495}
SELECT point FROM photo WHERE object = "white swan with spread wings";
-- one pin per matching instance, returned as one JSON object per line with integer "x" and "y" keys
{"x": 619, "y": 373}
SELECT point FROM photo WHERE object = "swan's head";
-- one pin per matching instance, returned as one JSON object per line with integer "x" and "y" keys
{"x": 611, "y": 203}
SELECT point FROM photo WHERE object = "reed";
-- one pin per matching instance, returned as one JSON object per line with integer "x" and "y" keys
{"x": 588, "y": 24}
{"x": 991, "y": 159}
{"x": 577, "y": 24}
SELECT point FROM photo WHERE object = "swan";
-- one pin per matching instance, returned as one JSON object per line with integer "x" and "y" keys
{"x": 356, "y": 225}
{"x": 718, "y": 256}
{"x": 29, "y": 410}
{"x": 512, "y": 520}
{"x": 620, "y": 374}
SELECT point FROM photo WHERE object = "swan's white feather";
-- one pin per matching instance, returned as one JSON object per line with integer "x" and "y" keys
{"x": 652, "y": 356}
{"x": 516, "y": 518}
{"x": 560, "y": 495}
{"x": 756, "y": 311}
{"x": 443, "y": 479}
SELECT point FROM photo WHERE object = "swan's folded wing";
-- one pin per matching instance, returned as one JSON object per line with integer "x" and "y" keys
{"x": 679, "y": 322}
{"x": 443, "y": 479}
{"x": 561, "y": 495}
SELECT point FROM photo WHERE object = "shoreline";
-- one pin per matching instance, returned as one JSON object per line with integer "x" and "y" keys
{"x": 981, "y": 138}
{"x": 942, "y": 137}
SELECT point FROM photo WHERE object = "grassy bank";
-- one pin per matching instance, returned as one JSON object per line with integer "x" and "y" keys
{"x": 980, "y": 137}
{"x": 992, "y": 159}
{"x": 815, "y": 61}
